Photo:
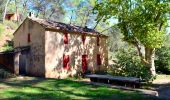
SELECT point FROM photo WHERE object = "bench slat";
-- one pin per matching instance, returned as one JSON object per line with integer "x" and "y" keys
{"x": 116, "y": 78}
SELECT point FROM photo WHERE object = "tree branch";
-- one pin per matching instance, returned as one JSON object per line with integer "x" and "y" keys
{"x": 137, "y": 45}
{"x": 107, "y": 29}
{"x": 97, "y": 23}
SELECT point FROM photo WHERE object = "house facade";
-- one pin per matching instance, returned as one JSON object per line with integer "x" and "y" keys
{"x": 57, "y": 50}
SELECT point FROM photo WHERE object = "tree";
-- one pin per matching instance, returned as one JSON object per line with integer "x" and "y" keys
{"x": 47, "y": 9}
{"x": 1, "y": 9}
{"x": 5, "y": 9}
{"x": 142, "y": 23}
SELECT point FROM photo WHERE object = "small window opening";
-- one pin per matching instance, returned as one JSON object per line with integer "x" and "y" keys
{"x": 29, "y": 38}
{"x": 98, "y": 40}
{"x": 98, "y": 59}
{"x": 65, "y": 38}
{"x": 83, "y": 39}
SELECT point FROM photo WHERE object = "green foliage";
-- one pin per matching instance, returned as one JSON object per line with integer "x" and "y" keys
{"x": 162, "y": 61}
{"x": 167, "y": 40}
{"x": 142, "y": 23}
{"x": 139, "y": 21}
{"x": 2, "y": 28}
{"x": 7, "y": 47}
{"x": 2, "y": 3}
{"x": 129, "y": 65}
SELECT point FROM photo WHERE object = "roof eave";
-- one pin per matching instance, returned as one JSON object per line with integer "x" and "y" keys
{"x": 87, "y": 33}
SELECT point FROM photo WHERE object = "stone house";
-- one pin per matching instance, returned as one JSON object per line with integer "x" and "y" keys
{"x": 56, "y": 50}
{"x": 13, "y": 17}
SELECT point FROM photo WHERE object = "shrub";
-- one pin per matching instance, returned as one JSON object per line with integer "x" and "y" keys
{"x": 129, "y": 65}
{"x": 7, "y": 47}
{"x": 162, "y": 61}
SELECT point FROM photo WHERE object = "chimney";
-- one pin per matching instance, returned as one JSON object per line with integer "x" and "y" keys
{"x": 86, "y": 29}
{"x": 31, "y": 15}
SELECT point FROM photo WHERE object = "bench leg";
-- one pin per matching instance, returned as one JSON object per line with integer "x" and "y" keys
{"x": 103, "y": 81}
{"x": 93, "y": 79}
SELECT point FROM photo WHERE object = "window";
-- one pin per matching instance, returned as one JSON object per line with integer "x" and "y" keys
{"x": 83, "y": 39}
{"x": 29, "y": 38}
{"x": 66, "y": 62}
{"x": 98, "y": 40}
{"x": 65, "y": 38}
{"x": 84, "y": 63}
{"x": 98, "y": 59}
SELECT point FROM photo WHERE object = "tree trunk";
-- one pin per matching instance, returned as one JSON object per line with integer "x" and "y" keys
{"x": 150, "y": 56}
{"x": 53, "y": 10}
{"x": 25, "y": 10}
{"x": 16, "y": 11}
{"x": 3, "y": 19}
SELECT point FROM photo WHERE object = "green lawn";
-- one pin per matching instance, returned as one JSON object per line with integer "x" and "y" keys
{"x": 38, "y": 88}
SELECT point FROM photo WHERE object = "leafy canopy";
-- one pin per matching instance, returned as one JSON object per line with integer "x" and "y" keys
{"x": 140, "y": 21}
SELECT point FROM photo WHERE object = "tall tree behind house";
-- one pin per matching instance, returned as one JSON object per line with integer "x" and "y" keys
{"x": 141, "y": 22}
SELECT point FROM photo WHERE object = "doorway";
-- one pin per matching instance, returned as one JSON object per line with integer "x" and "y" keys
{"x": 22, "y": 64}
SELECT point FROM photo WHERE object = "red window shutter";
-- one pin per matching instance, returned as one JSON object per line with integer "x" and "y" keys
{"x": 29, "y": 38}
{"x": 98, "y": 40}
{"x": 98, "y": 59}
{"x": 83, "y": 39}
{"x": 65, "y": 38}
{"x": 84, "y": 63}
{"x": 66, "y": 62}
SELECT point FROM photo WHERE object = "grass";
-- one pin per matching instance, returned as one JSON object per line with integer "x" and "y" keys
{"x": 163, "y": 76}
{"x": 161, "y": 80}
{"x": 38, "y": 88}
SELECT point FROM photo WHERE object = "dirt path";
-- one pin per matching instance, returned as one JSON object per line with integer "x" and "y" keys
{"x": 164, "y": 92}
{"x": 162, "y": 86}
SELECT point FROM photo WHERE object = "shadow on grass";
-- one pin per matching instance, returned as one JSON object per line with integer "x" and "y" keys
{"x": 40, "y": 88}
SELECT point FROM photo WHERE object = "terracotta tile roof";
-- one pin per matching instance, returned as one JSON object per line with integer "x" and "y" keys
{"x": 65, "y": 27}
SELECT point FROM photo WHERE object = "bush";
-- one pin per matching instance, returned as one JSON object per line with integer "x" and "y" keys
{"x": 7, "y": 47}
{"x": 129, "y": 65}
{"x": 162, "y": 61}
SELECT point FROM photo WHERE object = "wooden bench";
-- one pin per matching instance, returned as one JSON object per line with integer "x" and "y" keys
{"x": 116, "y": 80}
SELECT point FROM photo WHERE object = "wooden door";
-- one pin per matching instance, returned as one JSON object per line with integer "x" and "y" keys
{"x": 22, "y": 64}
{"x": 84, "y": 63}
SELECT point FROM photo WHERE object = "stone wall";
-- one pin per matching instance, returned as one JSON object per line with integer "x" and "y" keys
{"x": 55, "y": 48}
{"x": 36, "y": 56}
